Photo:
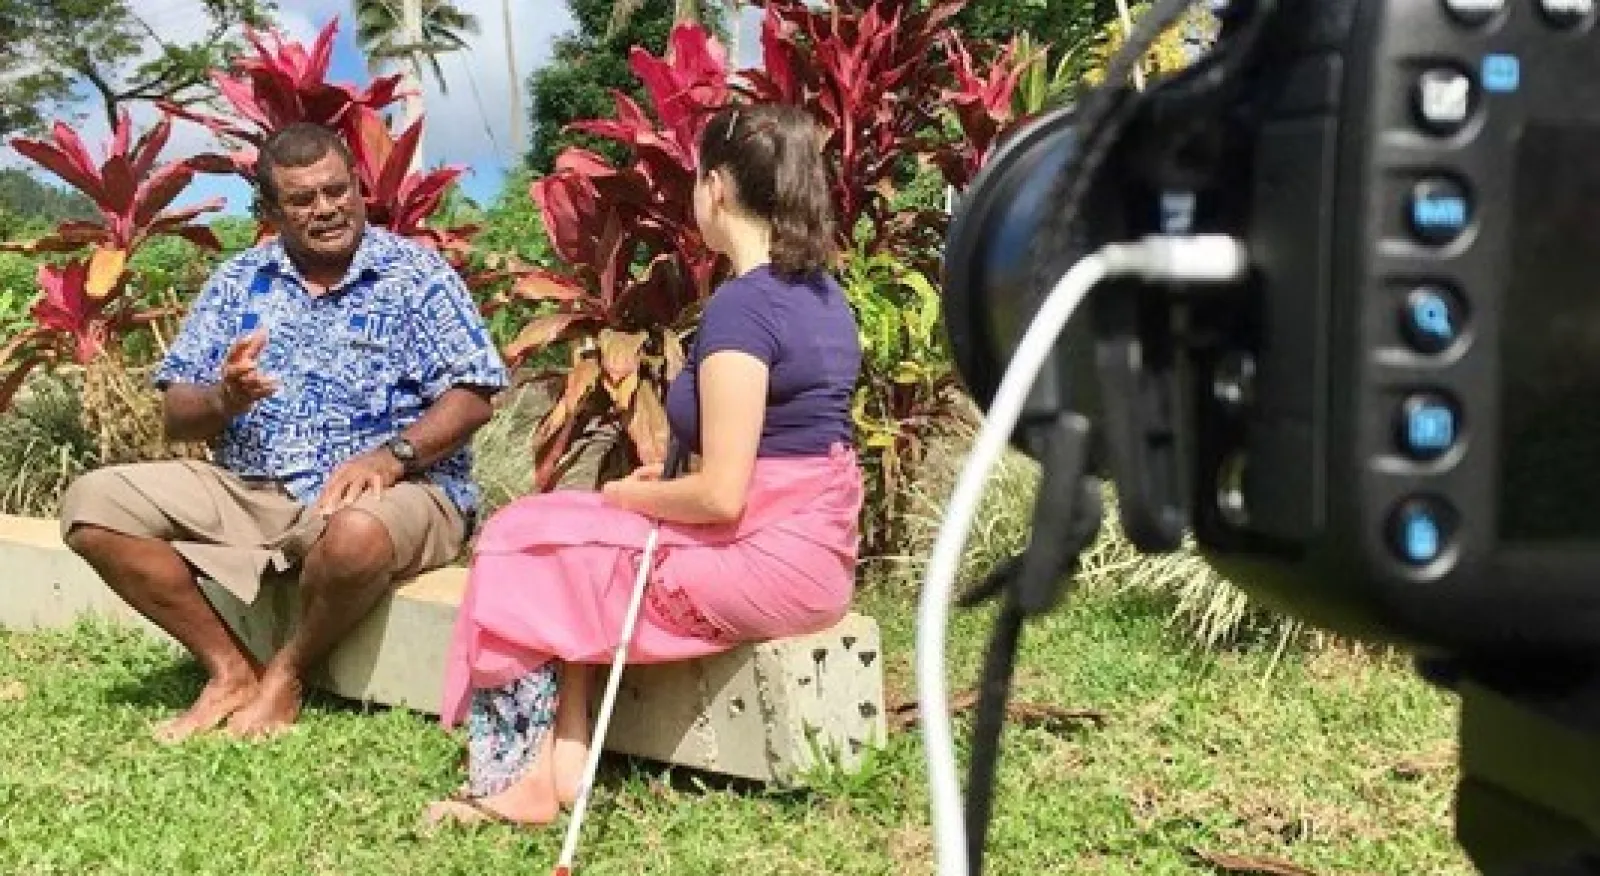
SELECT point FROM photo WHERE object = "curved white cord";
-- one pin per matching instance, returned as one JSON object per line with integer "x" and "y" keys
{"x": 1206, "y": 258}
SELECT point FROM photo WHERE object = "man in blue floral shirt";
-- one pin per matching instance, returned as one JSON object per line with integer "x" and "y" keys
{"x": 340, "y": 372}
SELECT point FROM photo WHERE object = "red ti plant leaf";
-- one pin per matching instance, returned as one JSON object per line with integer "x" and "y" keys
{"x": 982, "y": 104}
{"x": 541, "y": 332}
{"x": 692, "y": 76}
{"x": 396, "y": 198}
{"x": 535, "y": 284}
{"x": 554, "y": 434}
{"x": 128, "y": 188}
{"x": 647, "y": 425}
{"x": 620, "y": 359}
{"x": 870, "y": 72}
{"x": 282, "y": 82}
{"x": 67, "y": 309}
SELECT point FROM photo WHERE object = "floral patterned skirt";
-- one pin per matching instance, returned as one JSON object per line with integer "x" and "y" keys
{"x": 505, "y": 727}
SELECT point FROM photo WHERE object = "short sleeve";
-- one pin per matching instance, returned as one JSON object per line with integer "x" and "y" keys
{"x": 197, "y": 352}
{"x": 450, "y": 344}
{"x": 739, "y": 317}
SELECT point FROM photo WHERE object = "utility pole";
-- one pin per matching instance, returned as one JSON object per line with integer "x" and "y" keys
{"x": 516, "y": 84}
{"x": 411, "y": 25}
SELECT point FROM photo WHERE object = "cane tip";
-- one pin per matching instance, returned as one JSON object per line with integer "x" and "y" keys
{"x": 562, "y": 871}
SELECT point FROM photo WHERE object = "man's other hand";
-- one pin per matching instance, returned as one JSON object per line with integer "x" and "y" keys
{"x": 242, "y": 383}
{"x": 374, "y": 472}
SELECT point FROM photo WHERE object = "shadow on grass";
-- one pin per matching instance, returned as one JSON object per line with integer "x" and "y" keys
{"x": 175, "y": 685}
{"x": 170, "y": 687}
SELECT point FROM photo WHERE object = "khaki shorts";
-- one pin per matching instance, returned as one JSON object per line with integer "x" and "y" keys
{"x": 233, "y": 530}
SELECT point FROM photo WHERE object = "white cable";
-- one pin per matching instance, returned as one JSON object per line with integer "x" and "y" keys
{"x": 1198, "y": 259}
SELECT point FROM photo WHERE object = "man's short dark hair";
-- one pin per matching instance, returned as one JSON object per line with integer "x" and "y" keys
{"x": 298, "y": 145}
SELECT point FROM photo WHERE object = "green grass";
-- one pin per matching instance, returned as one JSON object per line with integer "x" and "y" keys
{"x": 1341, "y": 764}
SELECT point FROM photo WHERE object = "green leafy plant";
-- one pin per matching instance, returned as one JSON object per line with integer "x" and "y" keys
{"x": 907, "y": 389}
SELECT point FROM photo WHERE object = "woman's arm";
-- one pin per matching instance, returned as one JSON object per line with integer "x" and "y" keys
{"x": 733, "y": 407}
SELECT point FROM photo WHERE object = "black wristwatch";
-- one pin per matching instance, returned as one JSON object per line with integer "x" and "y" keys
{"x": 404, "y": 451}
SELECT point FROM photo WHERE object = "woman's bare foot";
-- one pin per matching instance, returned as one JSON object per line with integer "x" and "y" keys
{"x": 529, "y": 801}
{"x": 274, "y": 709}
{"x": 572, "y": 732}
{"x": 571, "y": 759}
{"x": 221, "y": 697}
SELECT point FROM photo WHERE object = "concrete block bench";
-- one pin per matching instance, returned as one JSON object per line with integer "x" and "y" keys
{"x": 763, "y": 711}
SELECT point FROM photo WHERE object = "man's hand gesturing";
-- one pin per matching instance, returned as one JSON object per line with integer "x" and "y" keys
{"x": 242, "y": 383}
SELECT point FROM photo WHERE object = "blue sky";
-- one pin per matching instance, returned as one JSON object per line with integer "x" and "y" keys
{"x": 469, "y": 126}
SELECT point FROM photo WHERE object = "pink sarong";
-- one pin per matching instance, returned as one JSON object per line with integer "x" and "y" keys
{"x": 552, "y": 575}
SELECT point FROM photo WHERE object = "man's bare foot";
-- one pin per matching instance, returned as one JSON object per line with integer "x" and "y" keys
{"x": 571, "y": 758}
{"x": 221, "y": 697}
{"x": 273, "y": 711}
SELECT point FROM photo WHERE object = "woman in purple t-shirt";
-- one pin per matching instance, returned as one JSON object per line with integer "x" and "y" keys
{"x": 757, "y": 542}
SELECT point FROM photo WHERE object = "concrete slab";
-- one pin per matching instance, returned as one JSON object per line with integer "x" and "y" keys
{"x": 769, "y": 711}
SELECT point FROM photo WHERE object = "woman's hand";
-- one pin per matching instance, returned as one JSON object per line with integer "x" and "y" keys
{"x": 624, "y": 492}
{"x": 647, "y": 472}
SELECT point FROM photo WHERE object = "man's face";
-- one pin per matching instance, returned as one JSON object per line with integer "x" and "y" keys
{"x": 319, "y": 209}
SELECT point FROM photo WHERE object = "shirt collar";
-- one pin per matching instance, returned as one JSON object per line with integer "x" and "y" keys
{"x": 364, "y": 264}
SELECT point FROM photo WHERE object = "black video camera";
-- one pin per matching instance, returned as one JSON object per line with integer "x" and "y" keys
{"x": 1391, "y": 427}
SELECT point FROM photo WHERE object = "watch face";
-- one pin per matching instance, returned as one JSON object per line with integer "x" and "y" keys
{"x": 403, "y": 449}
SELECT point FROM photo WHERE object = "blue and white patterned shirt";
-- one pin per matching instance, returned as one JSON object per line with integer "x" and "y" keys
{"x": 355, "y": 365}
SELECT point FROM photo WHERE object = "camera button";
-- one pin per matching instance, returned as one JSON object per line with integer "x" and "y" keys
{"x": 1430, "y": 319}
{"x": 1429, "y": 426}
{"x": 1474, "y": 12}
{"x": 1419, "y": 531}
{"x": 1439, "y": 210}
{"x": 1566, "y": 13}
{"x": 1443, "y": 100}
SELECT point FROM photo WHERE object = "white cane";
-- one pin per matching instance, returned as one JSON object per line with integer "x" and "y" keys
{"x": 676, "y": 456}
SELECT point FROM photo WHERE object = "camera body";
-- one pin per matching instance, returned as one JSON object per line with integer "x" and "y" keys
{"x": 1384, "y": 430}
{"x": 1393, "y": 441}
{"x": 1391, "y": 427}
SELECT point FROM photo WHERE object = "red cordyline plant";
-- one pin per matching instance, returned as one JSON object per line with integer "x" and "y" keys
{"x": 71, "y": 324}
{"x": 282, "y": 83}
{"x": 285, "y": 82}
{"x": 131, "y": 192}
{"x": 636, "y": 264}
{"x": 871, "y": 74}
{"x": 84, "y": 301}
{"x": 396, "y": 198}
{"x": 983, "y": 104}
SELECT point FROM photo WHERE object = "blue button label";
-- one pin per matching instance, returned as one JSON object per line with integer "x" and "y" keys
{"x": 1440, "y": 211}
{"x": 1420, "y": 538}
{"x": 1431, "y": 315}
{"x": 1502, "y": 73}
{"x": 1431, "y": 429}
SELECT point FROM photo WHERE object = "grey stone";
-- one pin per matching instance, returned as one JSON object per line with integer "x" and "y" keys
{"x": 771, "y": 711}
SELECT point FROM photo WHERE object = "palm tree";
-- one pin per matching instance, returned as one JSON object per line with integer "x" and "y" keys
{"x": 381, "y": 34}
{"x": 387, "y": 33}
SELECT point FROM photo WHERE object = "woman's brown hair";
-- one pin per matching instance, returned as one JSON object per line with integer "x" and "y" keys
{"x": 773, "y": 154}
